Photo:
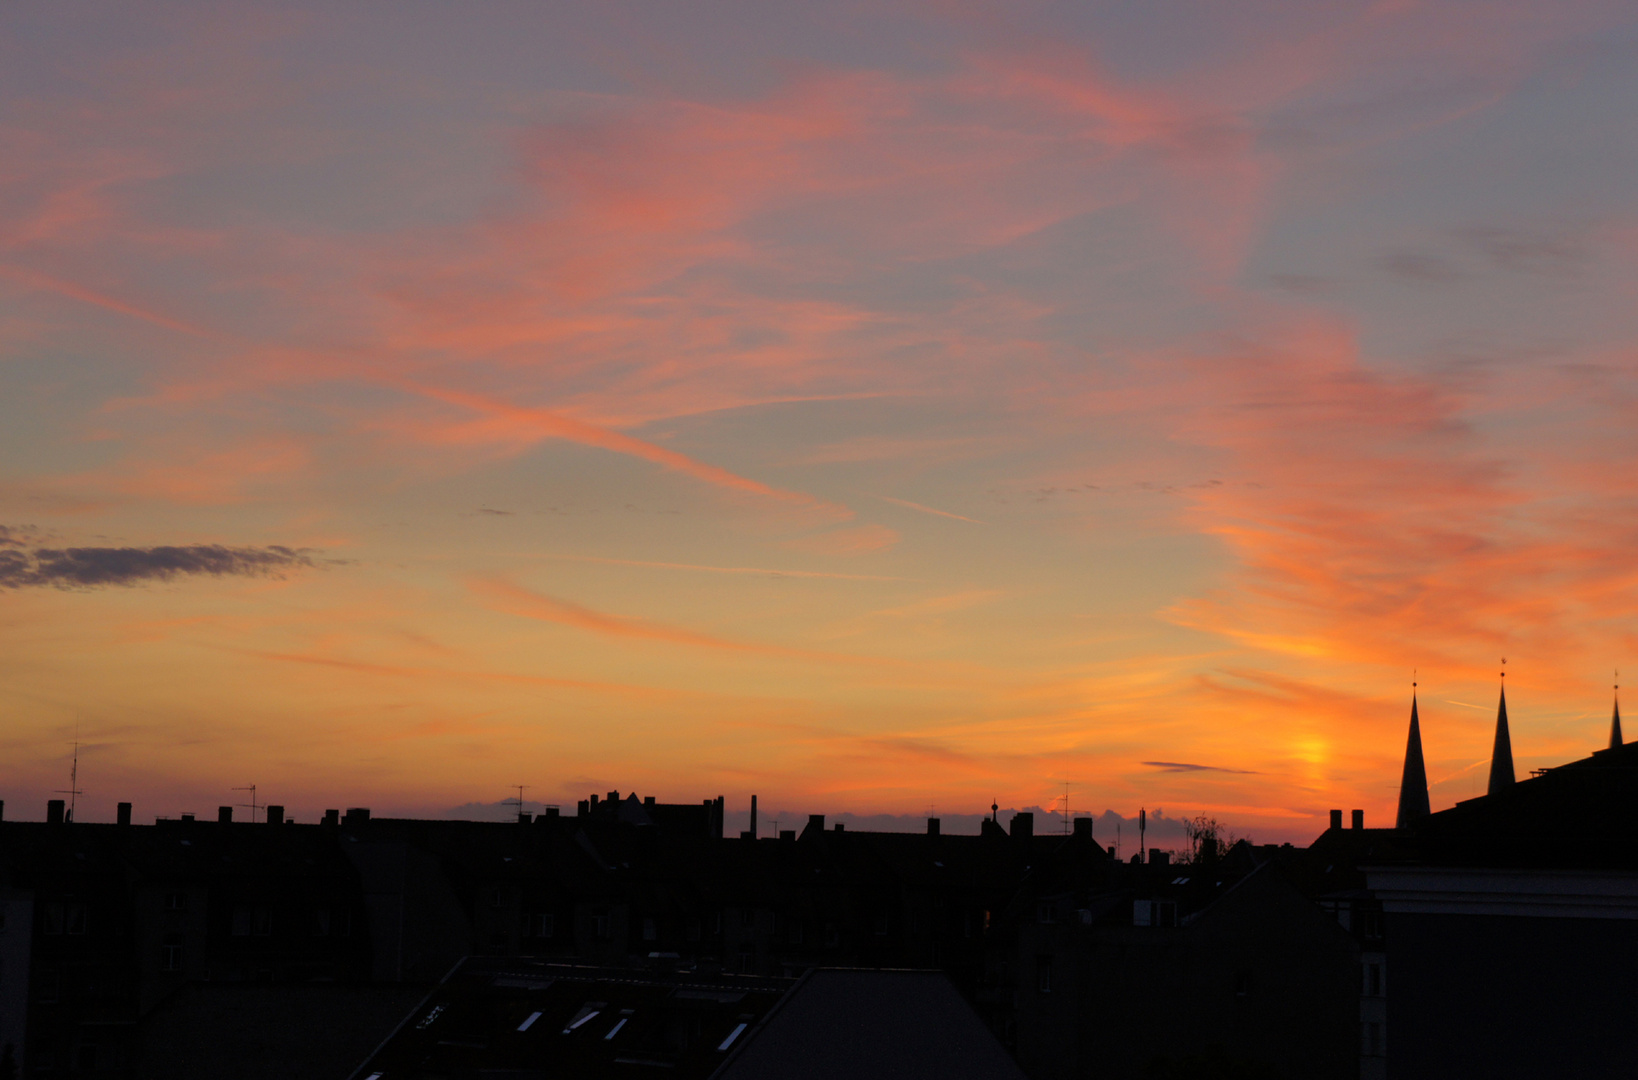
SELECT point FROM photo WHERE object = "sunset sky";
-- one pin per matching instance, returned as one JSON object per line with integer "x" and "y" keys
{"x": 874, "y": 407}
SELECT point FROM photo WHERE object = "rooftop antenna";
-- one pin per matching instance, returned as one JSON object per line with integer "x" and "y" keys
{"x": 73, "y": 791}
{"x": 1143, "y": 826}
{"x": 253, "y": 805}
{"x": 519, "y": 799}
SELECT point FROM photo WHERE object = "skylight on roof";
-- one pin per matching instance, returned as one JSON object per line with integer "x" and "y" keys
{"x": 578, "y": 1021}
{"x": 529, "y": 1022}
{"x": 615, "y": 1030}
{"x": 732, "y": 1035}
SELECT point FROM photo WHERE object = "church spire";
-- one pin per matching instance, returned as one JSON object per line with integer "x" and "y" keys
{"x": 1413, "y": 785}
{"x": 1501, "y": 756}
{"x": 1615, "y": 718}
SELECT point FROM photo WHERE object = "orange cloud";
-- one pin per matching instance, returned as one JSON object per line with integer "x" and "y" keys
{"x": 859, "y": 540}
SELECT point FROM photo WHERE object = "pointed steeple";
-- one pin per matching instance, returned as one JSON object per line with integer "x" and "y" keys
{"x": 1501, "y": 756}
{"x": 1413, "y": 784}
{"x": 1615, "y": 719}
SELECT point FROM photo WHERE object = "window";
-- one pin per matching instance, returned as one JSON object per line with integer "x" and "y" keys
{"x": 1373, "y": 980}
{"x": 1043, "y": 974}
{"x": 793, "y": 930}
{"x": 321, "y": 922}
{"x": 176, "y": 901}
{"x": 170, "y": 953}
{"x": 747, "y": 917}
{"x": 651, "y": 932}
{"x": 600, "y": 926}
{"x": 1242, "y": 983}
{"x": 499, "y": 941}
{"x": 497, "y": 899}
{"x": 693, "y": 930}
{"x": 51, "y": 919}
{"x": 75, "y": 920}
{"x": 747, "y": 958}
{"x": 261, "y": 921}
{"x": 542, "y": 925}
{"x": 1044, "y": 914}
{"x": 241, "y": 921}
{"x": 1370, "y": 922}
{"x": 1371, "y": 1041}
{"x": 833, "y": 936}
{"x": 880, "y": 924}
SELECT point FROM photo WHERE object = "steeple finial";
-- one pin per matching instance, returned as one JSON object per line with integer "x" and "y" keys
{"x": 1413, "y": 784}
{"x": 1501, "y": 755}
{"x": 1615, "y": 718}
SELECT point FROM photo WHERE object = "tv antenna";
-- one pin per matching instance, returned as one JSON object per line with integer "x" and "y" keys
{"x": 73, "y": 791}
{"x": 254, "y": 806}
{"x": 519, "y": 799}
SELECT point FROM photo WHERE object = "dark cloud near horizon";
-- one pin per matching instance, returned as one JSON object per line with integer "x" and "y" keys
{"x": 94, "y": 567}
{"x": 1188, "y": 766}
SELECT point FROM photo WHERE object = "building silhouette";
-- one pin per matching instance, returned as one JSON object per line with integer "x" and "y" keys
{"x": 1496, "y": 938}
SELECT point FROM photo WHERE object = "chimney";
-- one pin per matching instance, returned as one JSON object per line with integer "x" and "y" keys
{"x": 54, "y": 812}
{"x": 594, "y": 800}
{"x": 584, "y": 807}
{"x": 275, "y": 815}
{"x": 787, "y": 834}
{"x": 357, "y": 815}
{"x": 2, "y": 809}
{"x": 187, "y": 819}
{"x": 123, "y": 814}
{"x": 932, "y": 826}
{"x": 332, "y": 818}
{"x": 524, "y": 817}
{"x": 840, "y": 826}
{"x": 648, "y": 802}
{"x": 614, "y": 797}
{"x": 816, "y": 824}
{"x": 1336, "y": 819}
{"x": 1159, "y": 858}
{"x": 1023, "y": 824}
{"x": 551, "y": 811}
{"x": 1358, "y": 821}
{"x": 224, "y": 815}
{"x": 1083, "y": 828}
{"x": 753, "y": 817}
